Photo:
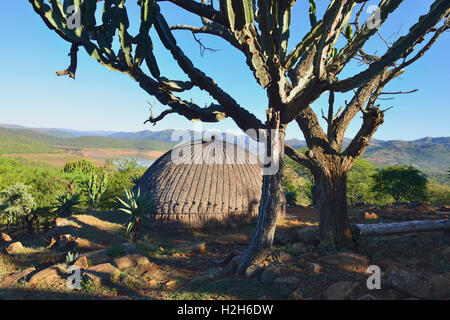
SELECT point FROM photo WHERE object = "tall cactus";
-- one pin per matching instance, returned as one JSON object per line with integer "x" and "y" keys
{"x": 95, "y": 189}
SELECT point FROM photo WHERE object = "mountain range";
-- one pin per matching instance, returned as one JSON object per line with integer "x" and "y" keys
{"x": 427, "y": 153}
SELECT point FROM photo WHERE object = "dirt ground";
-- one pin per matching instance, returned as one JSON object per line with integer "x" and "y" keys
{"x": 193, "y": 264}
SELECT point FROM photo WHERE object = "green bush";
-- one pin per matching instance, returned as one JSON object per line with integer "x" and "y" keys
{"x": 16, "y": 203}
{"x": 359, "y": 182}
{"x": 403, "y": 183}
{"x": 438, "y": 194}
{"x": 82, "y": 166}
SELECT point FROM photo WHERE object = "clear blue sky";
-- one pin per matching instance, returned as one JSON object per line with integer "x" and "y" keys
{"x": 32, "y": 95}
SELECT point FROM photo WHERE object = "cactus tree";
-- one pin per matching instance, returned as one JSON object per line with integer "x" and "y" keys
{"x": 293, "y": 79}
{"x": 95, "y": 189}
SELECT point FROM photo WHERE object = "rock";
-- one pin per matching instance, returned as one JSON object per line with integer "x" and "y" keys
{"x": 308, "y": 234}
{"x": 5, "y": 238}
{"x": 61, "y": 222}
{"x": 370, "y": 216}
{"x": 96, "y": 257}
{"x": 367, "y": 297}
{"x": 284, "y": 238}
{"x": 289, "y": 282}
{"x": 347, "y": 261}
{"x": 445, "y": 208}
{"x": 254, "y": 270}
{"x": 284, "y": 257}
{"x": 269, "y": 274}
{"x": 341, "y": 290}
{"x": 154, "y": 284}
{"x": 298, "y": 248}
{"x": 66, "y": 241}
{"x": 82, "y": 263}
{"x": 198, "y": 248}
{"x": 14, "y": 278}
{"x": 205, "y": 276}
{"x": 409, "y": 283}
{"x": 441, "y": 286}
{"x": 14, "y": 247}
{"x": 424, "y": 208}
{"x": 48, "y": 275}
{"x": 134, "y": 260}
{"x": 102, "y": 272}
{"x": 230, "y": 239}
{"x": 86, "y": 245}
{"x": 171, "y": 285}
{"x": 311, "y": 267}
{"x": 298, "y": 294}
{"x": 400, "y": 204}
{"x": 155, "y": 274}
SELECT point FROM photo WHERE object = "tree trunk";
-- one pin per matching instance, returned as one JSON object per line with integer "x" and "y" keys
{"x": 272, "y": 203}
{"x": 331, "y": 197}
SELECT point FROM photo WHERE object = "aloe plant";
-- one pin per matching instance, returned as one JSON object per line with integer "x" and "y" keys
{"x": 137, "y": 205}
{"x": 66, "y": 205}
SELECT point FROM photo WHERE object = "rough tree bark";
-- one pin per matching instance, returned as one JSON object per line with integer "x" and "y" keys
{"x": 272, "y": 204}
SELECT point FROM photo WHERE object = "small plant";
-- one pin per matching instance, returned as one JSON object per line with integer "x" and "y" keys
{"x": 136, "y": 205}
{"x": 95, "y": 189}
{"x": 66, "y": 204}
{"x": 71, "y": 257}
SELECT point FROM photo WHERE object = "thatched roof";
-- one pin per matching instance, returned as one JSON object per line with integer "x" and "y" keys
{"x": 204, "y": 184}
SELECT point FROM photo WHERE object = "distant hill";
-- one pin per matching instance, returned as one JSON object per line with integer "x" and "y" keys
{"x": 27, "y": 141}
{"x": 431, "y": 154}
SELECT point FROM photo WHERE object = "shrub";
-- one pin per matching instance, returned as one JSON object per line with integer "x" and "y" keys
{"x": 401, "y": 183}
{"x": 66, "y": 204}
{"x": 438, "y": 194}
{"x": 16, "y": 203}
{"x": 82, "y": 166}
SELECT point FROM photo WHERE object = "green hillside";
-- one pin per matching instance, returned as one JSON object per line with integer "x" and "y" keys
{"x": 10, "y": 142}
{"x": 27, "y": 141}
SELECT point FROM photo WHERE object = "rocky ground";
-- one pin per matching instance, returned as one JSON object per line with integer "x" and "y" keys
{"x": 194, "y": 265}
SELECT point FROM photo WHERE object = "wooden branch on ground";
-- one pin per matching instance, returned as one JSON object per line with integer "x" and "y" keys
{"x": 383, "y": 229}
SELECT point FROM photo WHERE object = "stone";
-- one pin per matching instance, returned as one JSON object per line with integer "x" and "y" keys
{"x": 61, "y": 222}
{"x": 230, "y": 239}
{"x": 14, "y": 278}
{"x": 254, "y": 270}
{"x": 269, "y": 274}
{"x": 97, "y": 257}
{"x": 48, "y": 275}
{"x": 445, "y": 208}
{"x": 133, "y": 260}
{"x": 298, "y": 294}
{"x": 198, "y": 248}
{"x": 347, "y": 261}
{"x": 14, "y": 247}
{"x": 171, "y": 284}
{"x": 154, "y": 284}
{"x": 341, "y": 290}
{"x": 5, "y": 238}
{"x": 440, "y": 285}
{"x": 409, "y": 283}
{"x": 284, "y": 256}
{"x": 155, "y": 274}
{"x": 102, "y": 273}
{"x": 82, "y": 263}
{"x": 289, "y": 282}
{"x": 85, "y": 245}
{"x": 283, "y": 238}
{"x": 308, "y": 234}
{"x": 311, "y": 267}
{"x": 205, "y": 276}
{"x": 66, "y": 241}
{"x": 298, "y": 248}
{"x": 370, "y": 216}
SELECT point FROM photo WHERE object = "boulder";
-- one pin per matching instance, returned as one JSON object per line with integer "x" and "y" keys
{"x": 254, "y": 270}
{"x": 4, "y": 238}
{"x": 341, "y": 290}
{"x": 205, "y": 276}
{"x": 311, "y": 267}
{"x": 284, "y": 256}
{"x": 269, "y": 274}
{"x": 171, "y": 284}
{"x": 48, "y": 275}
{"x": 14, "y": 278}
{"x": 409, "y": 283}
{"x": 102, "y": 273}
{"x": 445, "y": 208}
{"x": 370, "y": 216}
{"x": 198, "y": 248}
{"x": 289, "y": 282}
{"x": 155, "y": 275}
{"x": 347, "y": 261}
{"x": 14, "y": 247}
{"x": 283, "y": 238}
{"x": 86, "y": 245}
{"x": 132, "y": 260}
{"x": 82, "y": 263}
{"x": 298, "y": 248}
{"x": 308, "y": 234}
{"x": 61, "y": 222}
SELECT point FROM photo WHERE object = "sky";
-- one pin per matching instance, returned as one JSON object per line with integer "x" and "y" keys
{"x": 99, "y": 99}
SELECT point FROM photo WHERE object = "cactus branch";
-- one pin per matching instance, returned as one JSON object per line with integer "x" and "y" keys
{"x": 72, "y": 69}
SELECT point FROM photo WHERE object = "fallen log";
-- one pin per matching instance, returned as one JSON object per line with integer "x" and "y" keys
{"x": 382, "y": 229}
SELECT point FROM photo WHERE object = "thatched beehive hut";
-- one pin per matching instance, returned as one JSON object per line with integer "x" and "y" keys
{"x": 204, "y": 184}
